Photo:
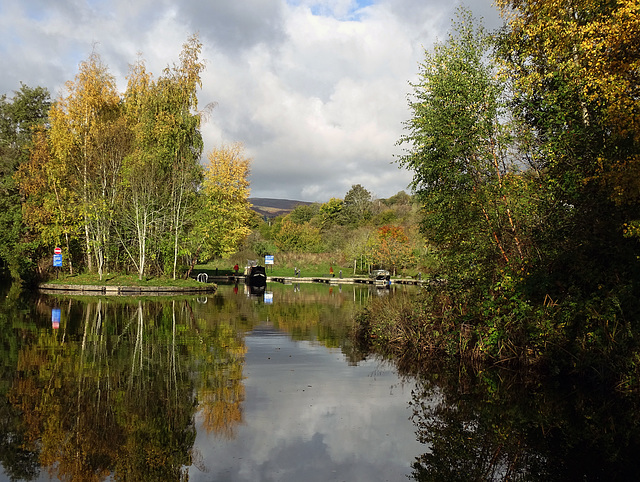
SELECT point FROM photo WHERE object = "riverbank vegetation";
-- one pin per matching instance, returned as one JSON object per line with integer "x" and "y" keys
{"x": 525, "y": 151}
{"x": 355, "y": 234}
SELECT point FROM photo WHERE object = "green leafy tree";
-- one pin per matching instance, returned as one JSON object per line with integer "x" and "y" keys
{"x": 119, "y": 174}
{"x": 18, "y": 117}
{"x": 457, "y": 156}
{"x": 303, "y": 213}
{"x": 357, "y": 205}
{"x": 331, "y": 212}
{"x": 162, "y": 172}
{"x": 297, "y": 238}
{"x": 182, "y": 138}
{"x": 146, "y": 170}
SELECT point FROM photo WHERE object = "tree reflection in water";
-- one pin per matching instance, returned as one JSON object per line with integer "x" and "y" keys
{"x": 502, "y": 426}
{"x": 115, "y": 390}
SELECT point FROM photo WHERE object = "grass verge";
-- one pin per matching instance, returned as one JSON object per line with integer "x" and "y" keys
{"x": 121, "y": 280}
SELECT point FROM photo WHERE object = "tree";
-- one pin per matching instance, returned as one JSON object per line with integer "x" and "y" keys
{"x": 226, "y": 212}
{"x": 576, "y": 100}
{"x": 297, "y": 238}
{"x": 357, "y": 204}
{"x": 81, "y": 124}
{"x": 390, "y": 248}
{"x": 144, "y": 169}
{"x": 18, "y": 117}
{"x": 124, "y": 169}
{"x": 303, "y": 213}
{"x": 182, "y": 138}
{"x": 401, "y": 198}
{"x": 457, "y": 154}
{"x": 50, "y": 209}
{"x": 162, "y": 173}
{"x": 331, "y": 212}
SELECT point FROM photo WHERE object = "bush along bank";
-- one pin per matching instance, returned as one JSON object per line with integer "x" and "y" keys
{"x": 574, "y": 338}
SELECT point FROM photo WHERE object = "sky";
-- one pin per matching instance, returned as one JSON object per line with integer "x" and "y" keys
{"x": 315, "y": 90}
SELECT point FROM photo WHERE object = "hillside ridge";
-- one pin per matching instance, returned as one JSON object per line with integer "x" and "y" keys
{"x": 273, "y": 207}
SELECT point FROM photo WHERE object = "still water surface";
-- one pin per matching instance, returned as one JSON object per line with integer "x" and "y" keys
{"x": 237, "y": 387}
{"x": 231, "y": 387}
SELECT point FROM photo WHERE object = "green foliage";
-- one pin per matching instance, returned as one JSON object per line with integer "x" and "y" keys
{"x": 298, "y": 231}
{"x": 575, "y": 126}
{"x": 357, "y": 205}
{"x": 539, "y": 258}
{"x": 258, "y": 245}
{"x": 331, "y": 212}
{"x": 114, "y": 179}
{"x": 297, "y": 238}
{"x": 303, "y": 213}
{"x": 18, "y": 116}
{"x": 387, "y": 216}
{"x": 498, "y": 424}
{"x": 459, "y": 161}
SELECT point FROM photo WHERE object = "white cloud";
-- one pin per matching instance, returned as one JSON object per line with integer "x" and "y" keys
{"x": 315, "y": 89}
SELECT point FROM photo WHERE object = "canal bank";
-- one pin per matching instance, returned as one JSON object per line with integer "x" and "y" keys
{"x": 114, "y": 290}
{"x": 322, "y": 279}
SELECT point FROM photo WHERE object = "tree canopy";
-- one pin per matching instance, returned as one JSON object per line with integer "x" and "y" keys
{"x": 525, "y": 151}
{"x": 18, "y": 117}
{"x": 115, "y": 179}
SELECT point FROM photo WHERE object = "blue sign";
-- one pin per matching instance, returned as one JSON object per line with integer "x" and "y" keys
{"x": 268, "y": 259}
{"x": 55, "y": 318}
{"x": 57, "y": 261}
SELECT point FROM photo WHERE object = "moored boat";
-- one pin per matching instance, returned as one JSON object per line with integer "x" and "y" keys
{"x": 256, "y": 276}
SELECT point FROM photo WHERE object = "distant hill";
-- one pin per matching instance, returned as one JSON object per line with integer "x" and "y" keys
{"x": 274, "y": 207}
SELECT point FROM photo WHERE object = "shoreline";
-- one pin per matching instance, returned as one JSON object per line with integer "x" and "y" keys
{"x": 114, "y": 290}
{"x": 209, "y": 287}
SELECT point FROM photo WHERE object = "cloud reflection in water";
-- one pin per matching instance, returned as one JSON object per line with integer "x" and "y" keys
{"x": 309, "y": 415}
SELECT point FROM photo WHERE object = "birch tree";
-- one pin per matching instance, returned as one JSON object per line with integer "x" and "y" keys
{"x": 456, "y": 155}
{"x": 143, "y": 175}
{"x": 163, "y": 171}
{"x": 81, "y": 123}
{"x": 182, "y": 138}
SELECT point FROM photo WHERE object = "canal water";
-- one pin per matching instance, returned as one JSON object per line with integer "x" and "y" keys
{"x": 269, "y": 386}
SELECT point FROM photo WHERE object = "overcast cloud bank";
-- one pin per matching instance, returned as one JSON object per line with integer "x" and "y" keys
{"x": 316, "y": 90}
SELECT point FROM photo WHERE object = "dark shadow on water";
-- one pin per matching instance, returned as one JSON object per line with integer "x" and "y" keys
{"x": 500, "y": 425}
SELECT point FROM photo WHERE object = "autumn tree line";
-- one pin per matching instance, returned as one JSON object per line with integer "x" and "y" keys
{"x": 374, "y": 233}
{"x": 525, "y": 150}
{"x": 115, "y": 179}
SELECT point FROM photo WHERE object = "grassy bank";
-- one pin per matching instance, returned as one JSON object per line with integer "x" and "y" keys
{"x": 121, "y": 280}
{"x": 407, "y": 325}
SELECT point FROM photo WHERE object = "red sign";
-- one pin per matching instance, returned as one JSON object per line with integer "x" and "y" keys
{"x": 57, "y": 250}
